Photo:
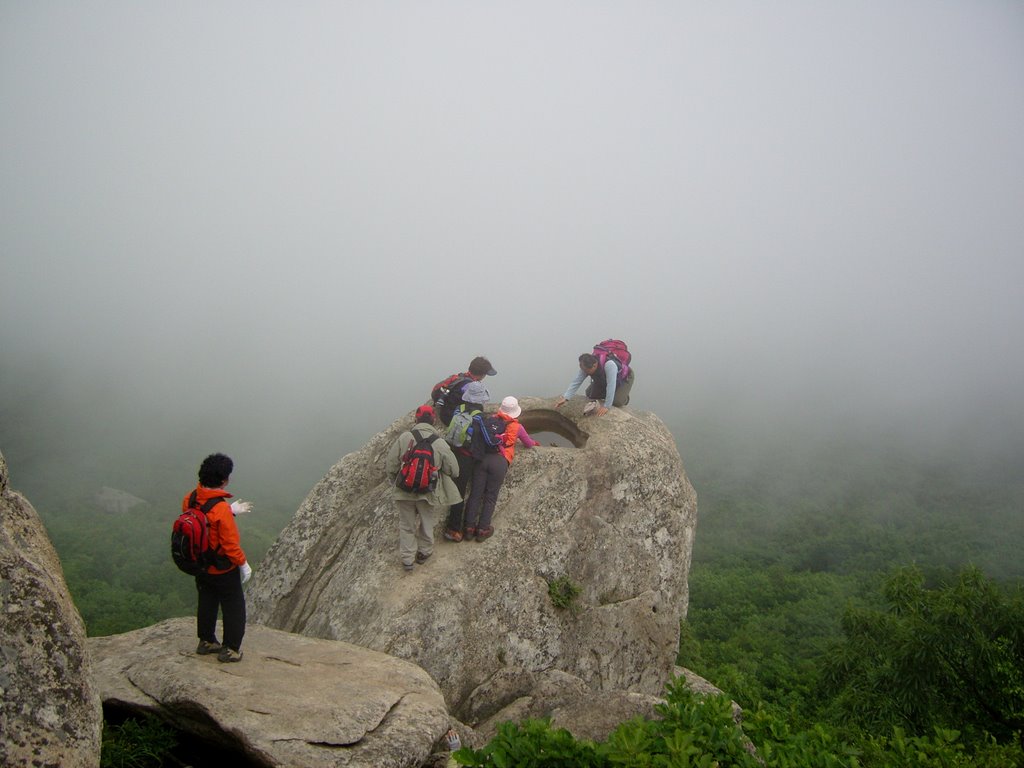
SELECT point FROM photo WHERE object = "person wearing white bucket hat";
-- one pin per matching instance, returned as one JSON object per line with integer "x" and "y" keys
{"x": 491, "y": 469}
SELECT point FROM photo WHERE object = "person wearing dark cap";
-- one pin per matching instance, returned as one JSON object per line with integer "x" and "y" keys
{"x": 447, "y": 393}
{"x": 417, "y": 512}
{"x": 474, "y": 397}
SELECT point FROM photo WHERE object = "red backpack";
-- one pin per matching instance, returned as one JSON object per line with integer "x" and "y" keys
{"x": 447, "y": 395}
{"x": 190, "y": 537}
{"x": 418, "y": 473}
{"x": 617, "y": 351}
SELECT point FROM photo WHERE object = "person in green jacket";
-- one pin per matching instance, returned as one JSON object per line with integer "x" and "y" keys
{"x": 417, "y": 512}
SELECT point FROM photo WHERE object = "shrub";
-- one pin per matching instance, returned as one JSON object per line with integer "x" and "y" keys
{"x": 136, "y": 744}
{"x": 563, "y": 593}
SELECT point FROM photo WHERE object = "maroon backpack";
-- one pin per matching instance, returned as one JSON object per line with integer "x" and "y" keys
{"x": 617, "y": 351}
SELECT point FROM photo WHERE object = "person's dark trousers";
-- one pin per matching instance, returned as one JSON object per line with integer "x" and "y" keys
{"x": 599, "y": 391}
{"x": 466, "y": 466}
{"x": 487, "y": 479}
{"x": 222, "y": 591}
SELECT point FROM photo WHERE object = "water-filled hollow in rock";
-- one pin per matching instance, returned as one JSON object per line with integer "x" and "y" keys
{"x": 550, "y": 428}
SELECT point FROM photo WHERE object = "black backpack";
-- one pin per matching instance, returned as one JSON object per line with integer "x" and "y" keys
{"x": 486, "y": 434}
{"x": 418, "y": 473}
{"x": 447, "y": 395}
{"x": 190, "y": 538}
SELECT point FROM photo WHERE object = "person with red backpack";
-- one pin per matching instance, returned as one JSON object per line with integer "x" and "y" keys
{"x": 220, "y": 586}
{"x": 446, "y": 396}
{"x": 611, "y": 377}
{"x": 423, "y": 466}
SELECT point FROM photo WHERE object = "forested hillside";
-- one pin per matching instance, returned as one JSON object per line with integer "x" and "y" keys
{"x": 862, "y": 587}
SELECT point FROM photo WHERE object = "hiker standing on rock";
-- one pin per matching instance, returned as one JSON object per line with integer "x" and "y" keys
{"x": 220, "y": 586}
{"x": 423, "y": 466}
{"x": 447, "y": 394}
{"x": 474, "y": 397}
{"x": 492, "y": 465}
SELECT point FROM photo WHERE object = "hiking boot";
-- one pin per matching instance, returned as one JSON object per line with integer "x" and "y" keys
{"x": 408, "y": 567}
{"x": 452, "y": 535}
{"x": 421, "y": 558}
{"x": 227, "y": 655}
{"x": 469, "y": 533}
{"x": 205, "y": 648}
{"x": 484, "y": 533}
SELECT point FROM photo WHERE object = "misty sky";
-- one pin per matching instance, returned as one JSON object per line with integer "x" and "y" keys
{"x": 279, "y": 219}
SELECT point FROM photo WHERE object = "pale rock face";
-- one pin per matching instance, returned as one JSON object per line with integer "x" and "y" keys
{"x": 290, "y": 701}
{"x": 615, "y": 516}
{"x": 50, "y": 713}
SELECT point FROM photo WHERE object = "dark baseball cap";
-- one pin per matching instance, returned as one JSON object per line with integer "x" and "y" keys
{"x": 481, "y": 366}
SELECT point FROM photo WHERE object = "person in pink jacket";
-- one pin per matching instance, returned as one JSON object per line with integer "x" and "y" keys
{"x": 490, "y": 471}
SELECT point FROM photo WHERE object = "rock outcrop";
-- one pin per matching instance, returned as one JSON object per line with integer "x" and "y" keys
{"x": 50, "y": 713}
{"x": 613, "y": 516}
{"x": 291, "y": 701}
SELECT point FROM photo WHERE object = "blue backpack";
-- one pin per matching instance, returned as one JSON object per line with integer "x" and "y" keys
{"x": 486, "y": 434}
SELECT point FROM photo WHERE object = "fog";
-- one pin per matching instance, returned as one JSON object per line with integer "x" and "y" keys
{"x": 269, "y": 228}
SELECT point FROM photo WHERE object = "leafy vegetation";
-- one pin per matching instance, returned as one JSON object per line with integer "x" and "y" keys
{"x": 950, "y": 657}
{"x": 563, "y": 592}
{"x": 699, "y": 732}
{"x": 136, "y": 743}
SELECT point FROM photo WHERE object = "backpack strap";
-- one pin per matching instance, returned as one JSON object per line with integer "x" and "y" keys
{"x": 210, "y": 504}
{"x": 420, "y": 437}
{"x": 193, "y": 503}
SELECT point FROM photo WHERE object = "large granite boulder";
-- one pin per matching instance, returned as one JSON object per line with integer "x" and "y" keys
{"x": 291, "y": 701}
{"x": 50, "y": 713}
{"x": 611, "y": 512}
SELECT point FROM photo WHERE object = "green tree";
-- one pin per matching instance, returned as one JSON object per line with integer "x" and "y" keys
{"x": 946, "y": 657}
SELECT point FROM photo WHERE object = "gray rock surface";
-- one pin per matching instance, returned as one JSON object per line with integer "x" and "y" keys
{"x": 50, "y": 713}
{"x": 615, "y": 516}
{"x": 291, "y": 701}
{"x": 563, "y": 698}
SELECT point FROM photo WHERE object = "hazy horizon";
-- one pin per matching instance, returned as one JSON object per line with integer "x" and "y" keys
{"x": 275, "y": 227}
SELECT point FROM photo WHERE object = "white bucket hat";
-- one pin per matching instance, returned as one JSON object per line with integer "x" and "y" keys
{"x": 510, "y": 407}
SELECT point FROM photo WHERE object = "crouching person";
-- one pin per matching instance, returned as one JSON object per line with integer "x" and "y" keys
{"x": 423, "y": 466}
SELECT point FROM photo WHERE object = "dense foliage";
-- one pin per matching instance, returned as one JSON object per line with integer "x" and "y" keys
{"x": 700, "y": 732}
{"x": 867, "y": 592}
{"x": 934, "y": 658}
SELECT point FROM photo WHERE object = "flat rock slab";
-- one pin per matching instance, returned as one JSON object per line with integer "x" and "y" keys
{"x": 292, "y": 700}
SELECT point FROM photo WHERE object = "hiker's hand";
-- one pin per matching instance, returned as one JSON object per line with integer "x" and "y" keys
{"x": 241, "y": 507}
{"x": 560, "y": 402}
{"x": 454, "y": 742}
{"x": 601, "y": 411}
{"x": 246, "y": 570}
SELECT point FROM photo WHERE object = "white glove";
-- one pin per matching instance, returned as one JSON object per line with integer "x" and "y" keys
{"x": 241, "y": 507}
{"x": 454, "y": 742}
{"x": 246, "y": 570}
